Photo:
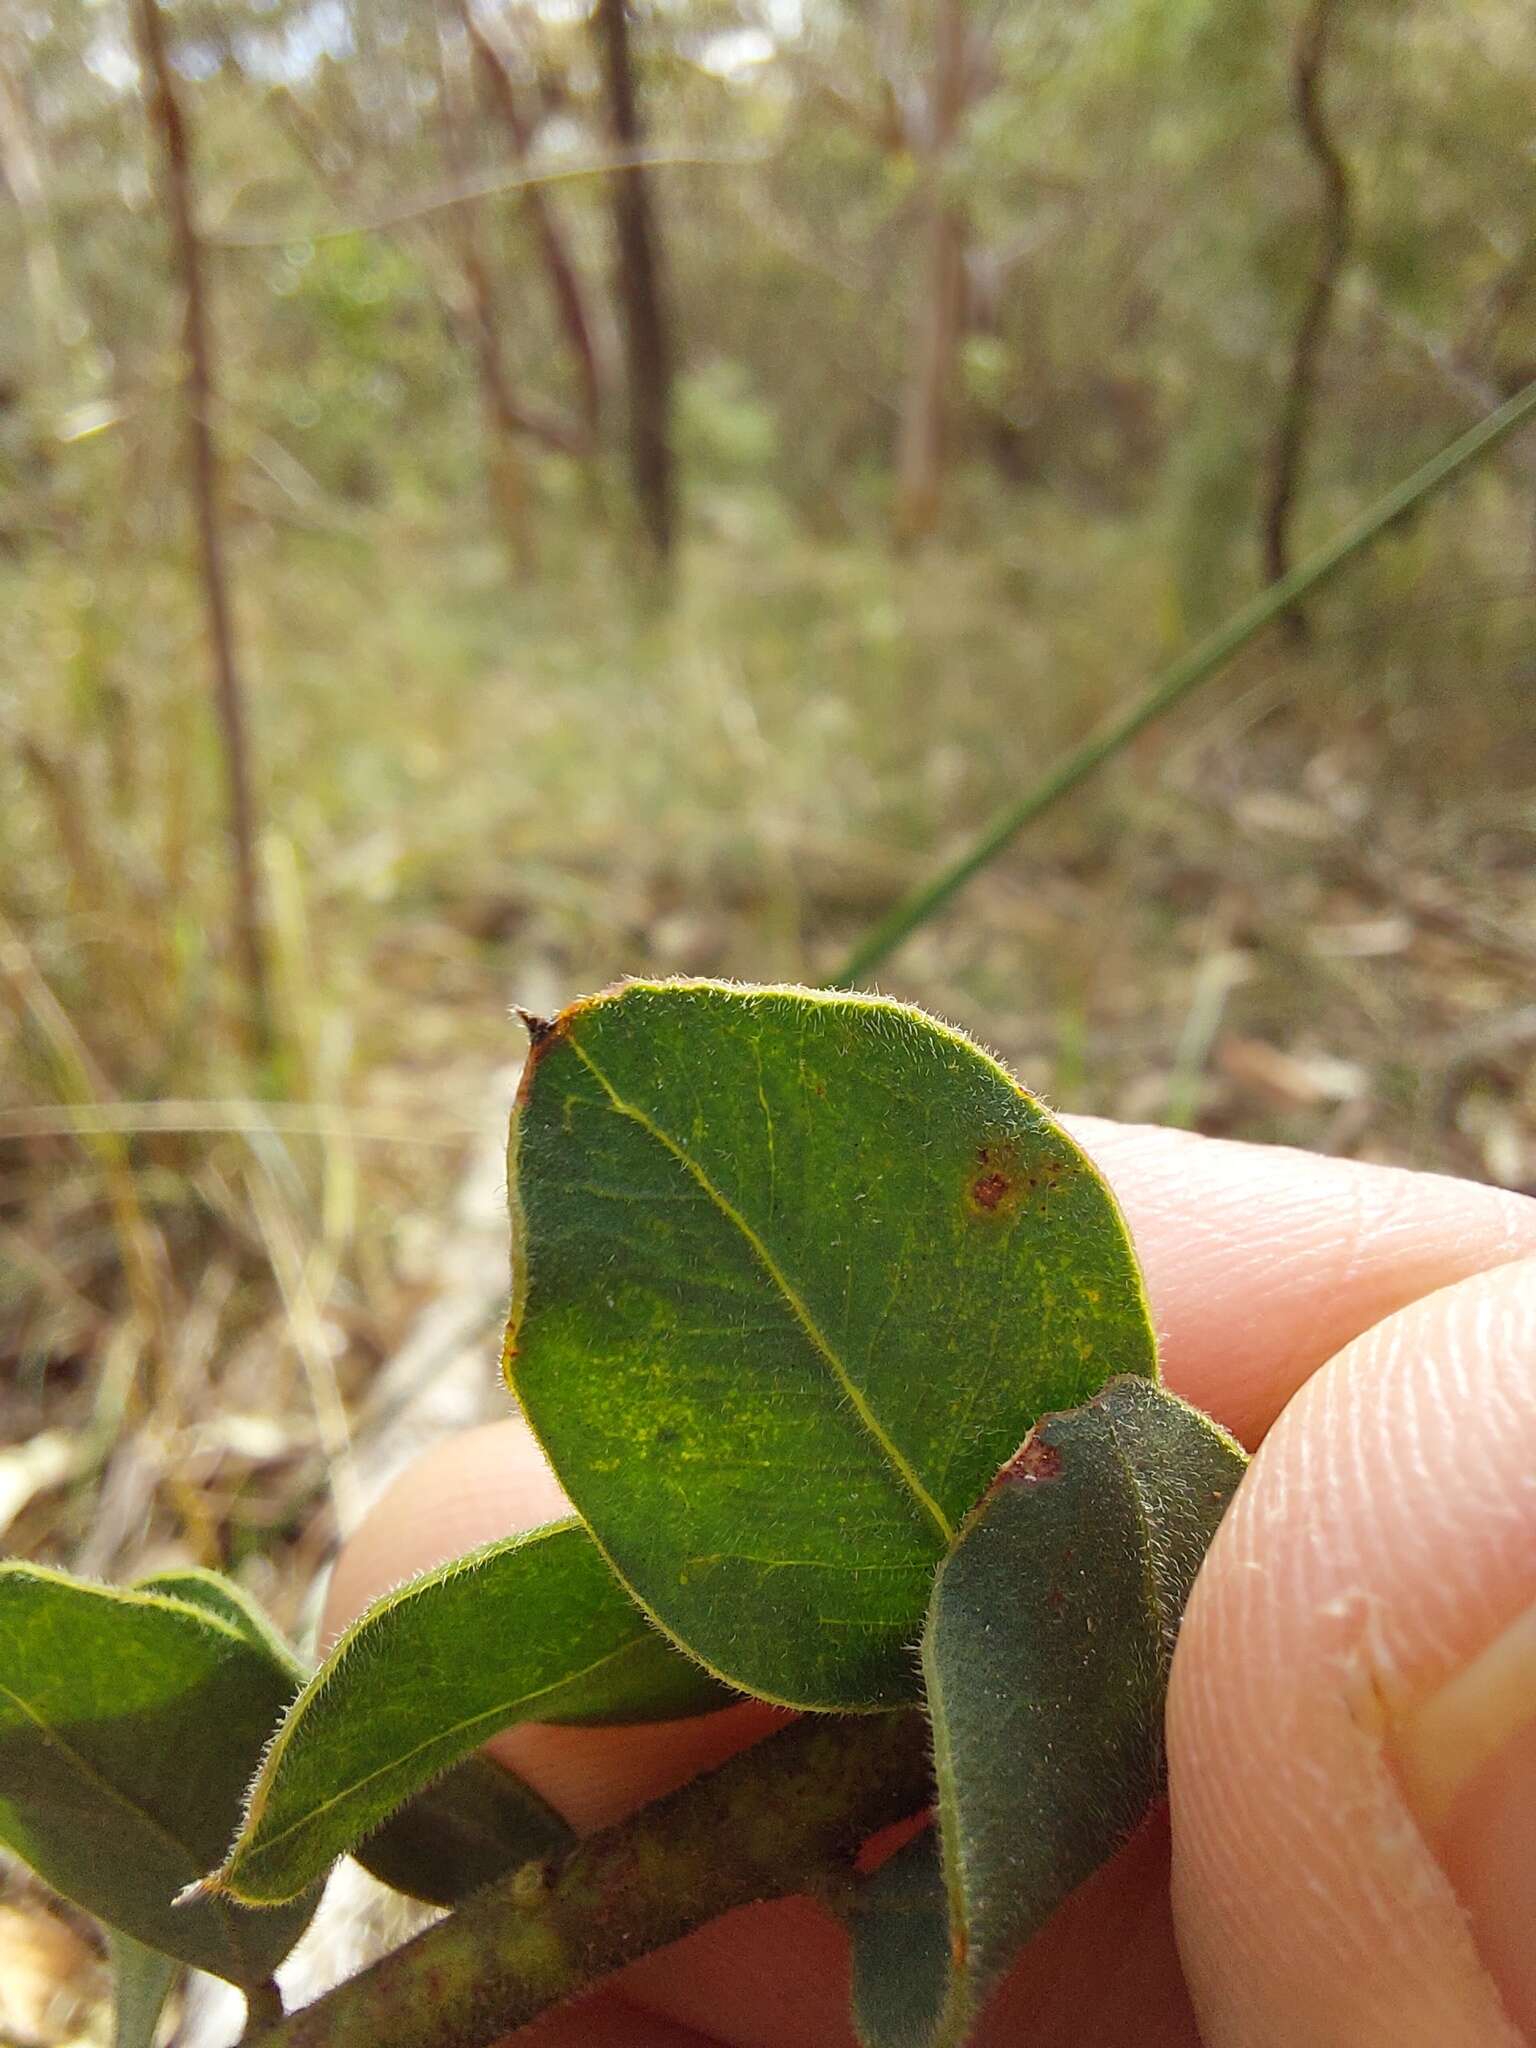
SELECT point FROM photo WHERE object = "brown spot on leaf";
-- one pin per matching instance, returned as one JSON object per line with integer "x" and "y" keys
{"x": 994, "y": 1184}
{"x": 1034, "y": 1461}
{"x": 1003, "y": 1178}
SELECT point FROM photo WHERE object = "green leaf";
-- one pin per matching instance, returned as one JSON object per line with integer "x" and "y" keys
{"x": 478, "y": 1824}
{"x": 230, "y": 1603}
{"x": 1046, "y": 1658}
{"x": 793, "y": 1274}
{"x": 900, "y": 1933}
{"x": 469, "y": 1828}
{"x": 535, "y": 1628}
{"x": 142, "y": 1981}
{"x": 130, "y": 1724}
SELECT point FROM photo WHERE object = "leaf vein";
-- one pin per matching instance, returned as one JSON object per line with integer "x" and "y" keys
{"x": 898, "y": 1461}
{"x": 496, "y": 1715}
{"x": 156, "y": 1826}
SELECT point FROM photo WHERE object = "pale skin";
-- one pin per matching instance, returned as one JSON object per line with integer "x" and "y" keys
{"x": 1350, "y": 1860}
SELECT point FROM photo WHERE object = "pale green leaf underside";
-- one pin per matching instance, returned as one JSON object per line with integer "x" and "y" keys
{"x": 899, "y": 1930}
{"x": 1046, "y": 1659}
{"x": 535, "y": 1628}
{"x": 130, "y": 1724}
{"x": 793, "y": 1275}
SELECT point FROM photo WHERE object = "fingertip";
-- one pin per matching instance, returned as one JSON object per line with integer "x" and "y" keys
{"x": 490, "y": 1482}
{"x": 469, "y": 1489}
{"x": 1262, "y": 1262}
{"x": 1383, "y": 1542}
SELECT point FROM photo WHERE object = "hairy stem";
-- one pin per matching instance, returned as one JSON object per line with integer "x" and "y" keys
{"x": 263, "y": 2004}
{"x": 784, "y": 1817}
{"x": 199, "y": 399}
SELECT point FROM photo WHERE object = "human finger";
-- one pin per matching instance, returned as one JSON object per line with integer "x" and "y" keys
{"x": 1259, "y": 1263}
{"x": 1352, "y": 1722}
{"x": 1262, "y": 1262}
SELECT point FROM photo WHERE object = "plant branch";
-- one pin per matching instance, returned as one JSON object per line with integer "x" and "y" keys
{"x": 169, "y": 121}
{"x": 1206, "y": 659}
{"x": 507, "y": 470}
{"x": 513, "y": 179}
{"x": 455, "y": 293}
{"x": 785, "y": 1816}
{"x": 639, "y": 291}
{"x": 565, "y": 286}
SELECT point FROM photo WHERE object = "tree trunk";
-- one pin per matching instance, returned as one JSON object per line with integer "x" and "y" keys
{"x": 939, "y": 312}
{"x": 507, "y": 470}
{"x": 642, "y": 314}
{"x": 565, "y": 286}
{"x": 441, "y": 257}
{"x": 198, "y": 392}
{"x": 1288, "y": 448}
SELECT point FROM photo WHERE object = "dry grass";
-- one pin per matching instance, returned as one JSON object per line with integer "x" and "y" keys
{"x": 1304, "y": 912}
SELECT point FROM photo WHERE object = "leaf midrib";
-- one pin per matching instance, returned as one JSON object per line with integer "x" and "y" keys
{"x": 900, "y": 1464}
{"x": 181, "y": 1851}
{"x": 960, "y": 1998}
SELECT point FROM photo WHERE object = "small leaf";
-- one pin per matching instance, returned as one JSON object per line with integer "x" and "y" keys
{"x": 478, "y": 1824}
{"x": 1046, "y": 1657}
{"x": 130, "y": 1724}
{"x": 221, "y": 1597}
{"x": 793, "y": 1275}
{"x": 142, "y": 1980}
{"x": 900, "y": 1934}
{"x": 469, "y": 1828}
{"x": 535, "y": 1628}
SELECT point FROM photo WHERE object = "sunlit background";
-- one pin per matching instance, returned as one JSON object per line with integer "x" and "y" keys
{"x": 653, "y": 543}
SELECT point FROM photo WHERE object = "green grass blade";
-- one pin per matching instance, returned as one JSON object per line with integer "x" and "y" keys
{"x": 1199, "y": 665}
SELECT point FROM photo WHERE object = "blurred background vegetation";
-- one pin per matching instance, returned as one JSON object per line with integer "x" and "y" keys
{"x": 667, "y": 496}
